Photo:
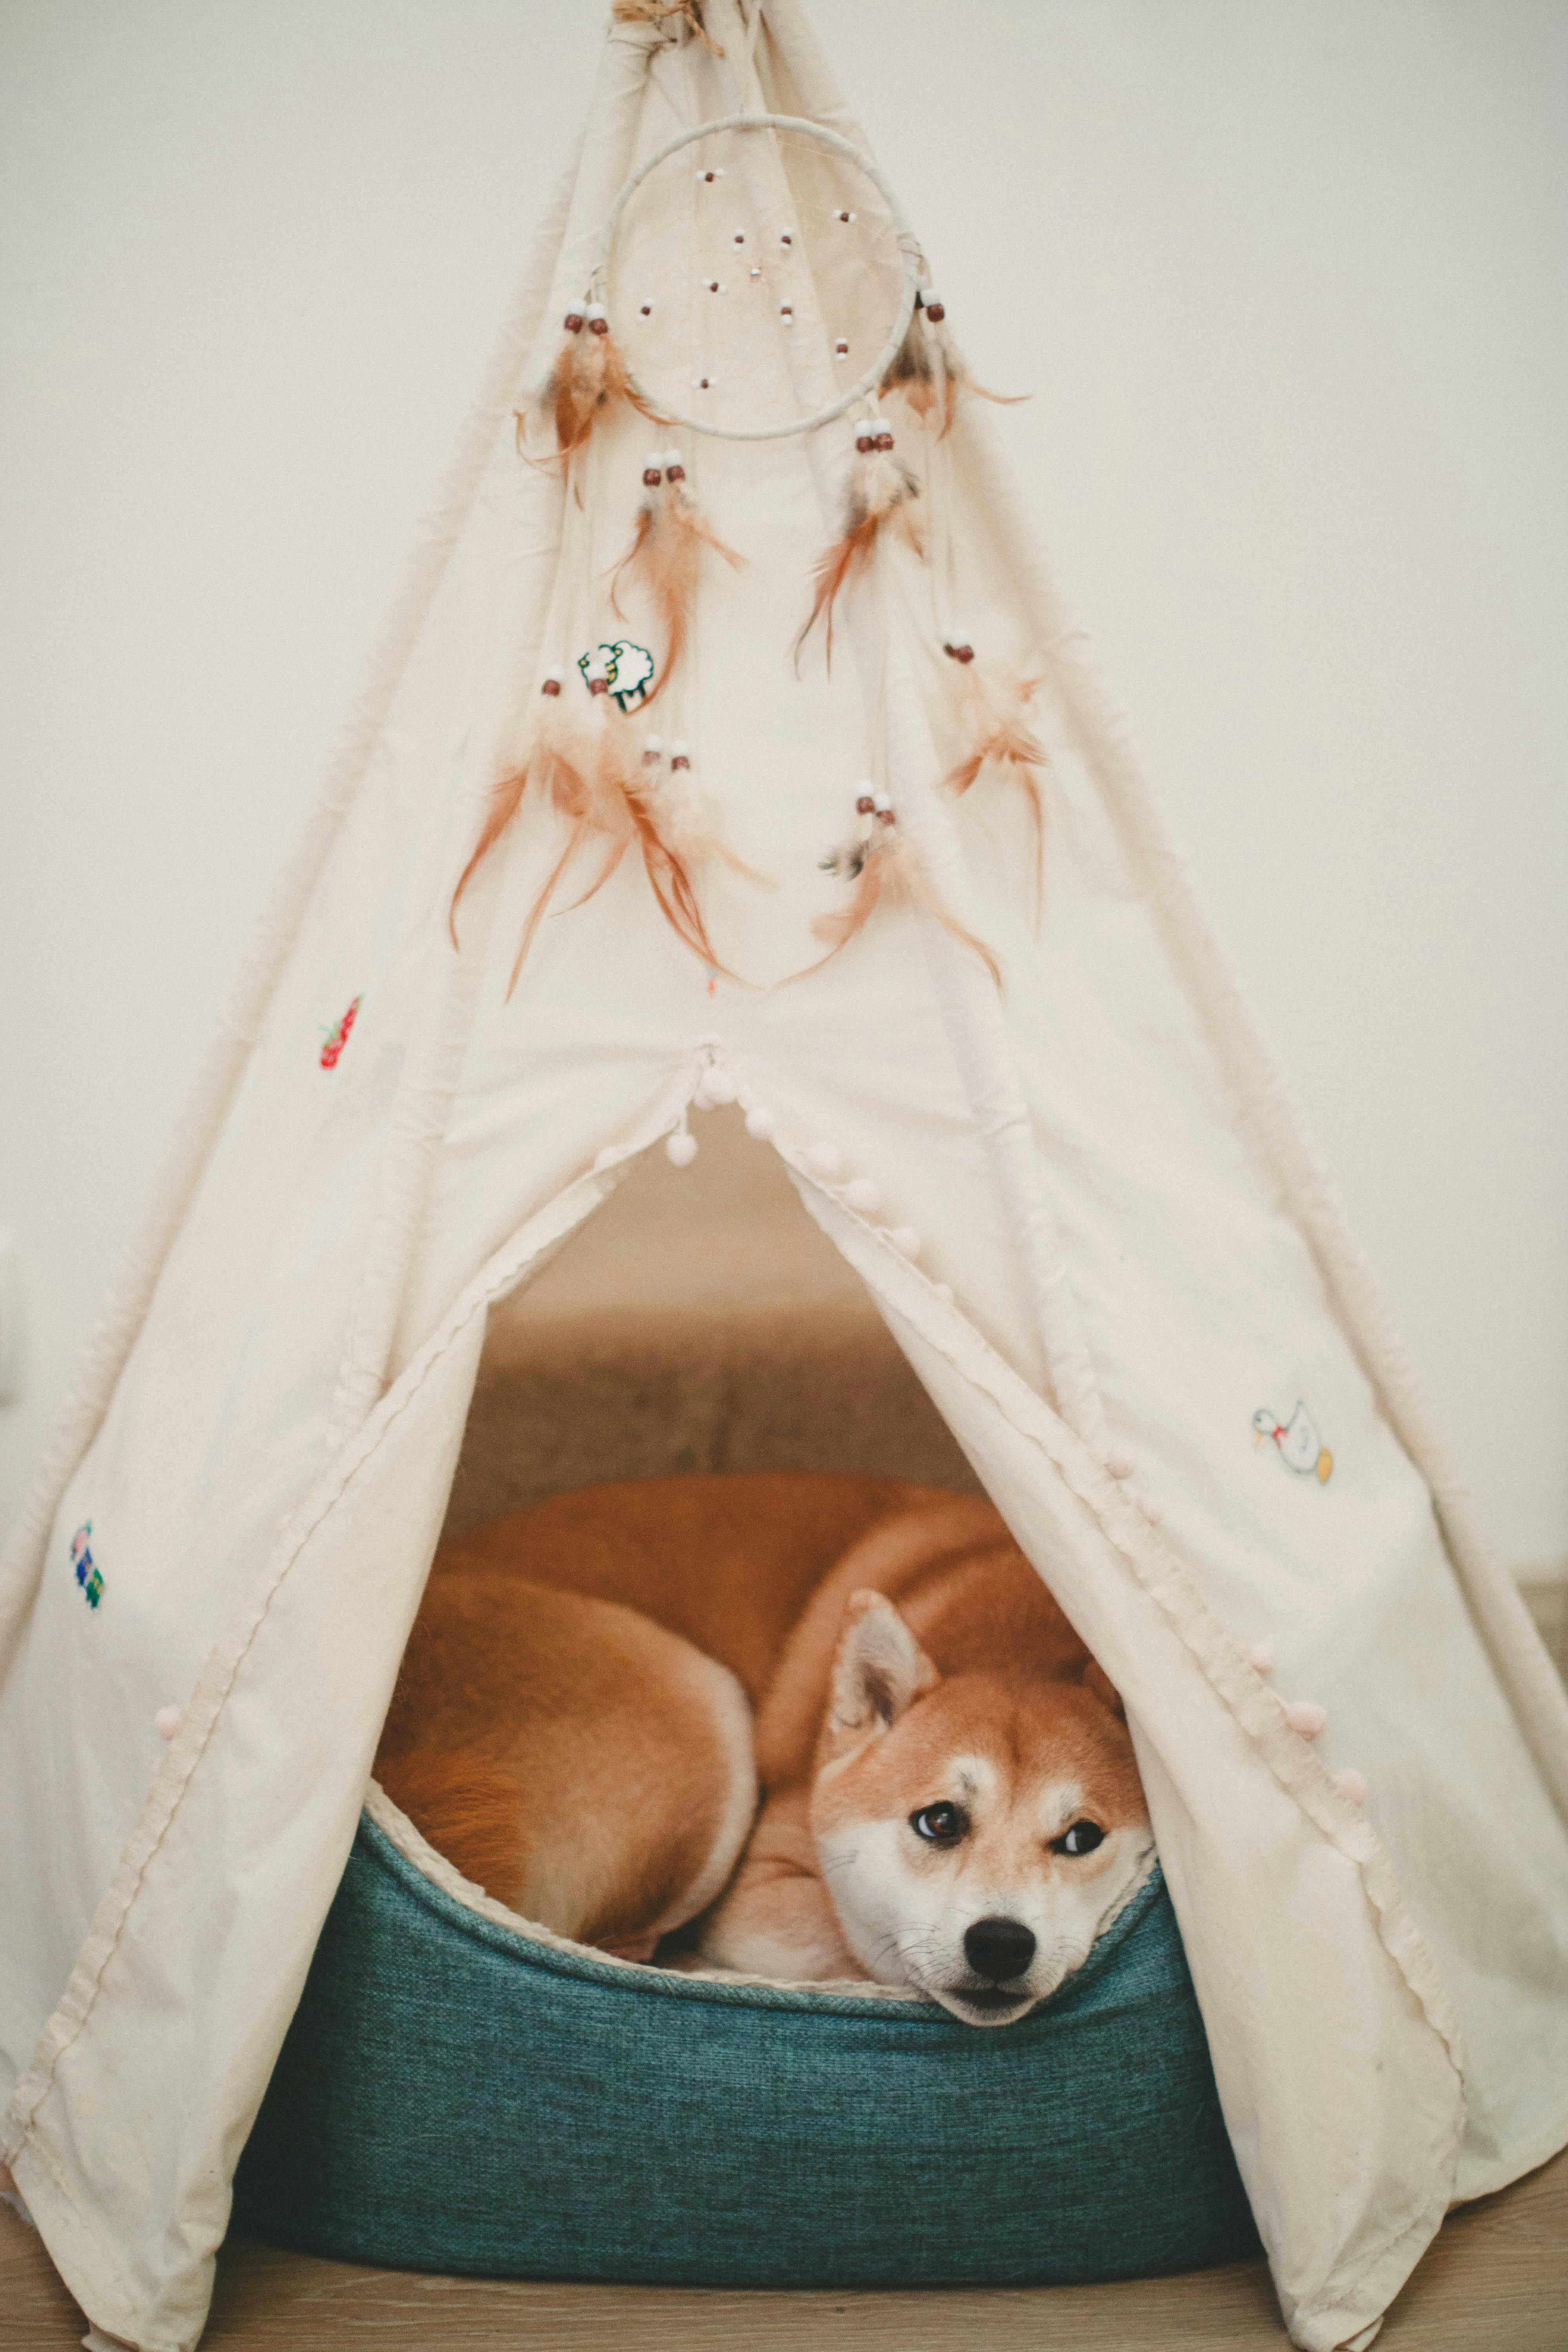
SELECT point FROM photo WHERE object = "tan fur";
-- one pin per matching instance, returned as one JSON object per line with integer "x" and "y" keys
{"x": 553, "y": 1733}
{"x": 567, "y": 1754}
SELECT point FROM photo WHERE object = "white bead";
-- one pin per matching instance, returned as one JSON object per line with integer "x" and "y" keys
{"x": 672, "y": 458}
{"x": 905, "y": 1240}
{"x": 862, "y": 1196}
{"x": 1150, "y": 1510}
{"x": 1351, "y": 1784}
{"x": 761, "y": 1124}
{"x": 719, "y": 1085}
{"x": 555, "y": 675}
{"x": 881, "y": 799}
{"x": 1120, "y": 1462}
{"x": 1260, "y": 1657}
{"x": 824, "y": 1160}
{"x": 606, "y": 1158}
{"x": 166, "y": 1722}
{"x": 681, "y": 1149}
{"x": 1305, "y": 1716}
{"x": 944, "y": 1292}
{"x": 680, "y": 749}
{"x": 594, "y": 310}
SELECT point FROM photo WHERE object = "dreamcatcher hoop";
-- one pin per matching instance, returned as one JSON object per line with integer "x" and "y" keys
{"x": 868, "y": 386}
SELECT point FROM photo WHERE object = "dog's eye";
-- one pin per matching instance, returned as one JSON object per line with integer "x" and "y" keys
{"x": 1082, "y": 1838}
{"x": 940, "y": 1824}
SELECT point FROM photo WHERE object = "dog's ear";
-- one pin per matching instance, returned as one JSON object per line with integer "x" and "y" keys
{"x": 1097, "y": 1680}
{"x": 879, "y": 1669}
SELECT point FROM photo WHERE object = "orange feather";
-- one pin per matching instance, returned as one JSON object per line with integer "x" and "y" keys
{"x": 881, "y": 493}
{"x": 889, "y": 870}
{"x": 930, "y": 372}
{"x": 668, "y": 540}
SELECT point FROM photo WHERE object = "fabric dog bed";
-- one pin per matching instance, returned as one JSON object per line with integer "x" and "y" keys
{"x": 455, "y": 2095}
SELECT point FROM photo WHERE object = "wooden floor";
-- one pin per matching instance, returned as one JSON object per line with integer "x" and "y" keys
{"x": 1496, "y": 2280}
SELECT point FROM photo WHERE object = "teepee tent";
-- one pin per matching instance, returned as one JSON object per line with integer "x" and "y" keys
{"x": 916, "y": 910}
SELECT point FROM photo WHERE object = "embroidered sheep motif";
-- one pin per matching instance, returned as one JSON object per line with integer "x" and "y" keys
{"x": 629, "y": 667}
{"x": 1300, "y": 1447}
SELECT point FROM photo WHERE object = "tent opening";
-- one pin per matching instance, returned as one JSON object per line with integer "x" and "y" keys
{"x": 699, "y": 1322}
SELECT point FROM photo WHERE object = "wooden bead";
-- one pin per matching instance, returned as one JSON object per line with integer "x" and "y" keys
{"x": 676, "y": 473}
{"x": 652, "y": 477}
{"x": 936, "y": 312}
{"x": 598, "y": 326}
{"x": 551, "y": 685}
{"x": 573, "y": 322}
{"x": 865, "y": 805}
{"x": 599, "y": 686}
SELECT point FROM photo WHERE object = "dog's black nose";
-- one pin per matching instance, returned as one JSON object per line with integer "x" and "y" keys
{"x": 999, "y": 1948}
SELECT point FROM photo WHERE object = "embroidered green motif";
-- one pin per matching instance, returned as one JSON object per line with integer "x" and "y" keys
{"x": 87, "y": 1575}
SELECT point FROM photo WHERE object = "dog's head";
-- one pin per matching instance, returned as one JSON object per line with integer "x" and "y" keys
{"x": 975, "y": 1831}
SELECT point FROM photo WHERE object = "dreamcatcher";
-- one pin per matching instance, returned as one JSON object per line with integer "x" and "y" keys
{"x": 803, "y": 302}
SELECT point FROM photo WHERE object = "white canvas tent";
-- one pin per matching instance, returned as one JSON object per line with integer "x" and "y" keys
{"x": 1122, "y": 1251}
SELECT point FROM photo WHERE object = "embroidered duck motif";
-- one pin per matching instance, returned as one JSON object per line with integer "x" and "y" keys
{"x": 1299, "y": 1443}
{"x": 1300, "y": 1447}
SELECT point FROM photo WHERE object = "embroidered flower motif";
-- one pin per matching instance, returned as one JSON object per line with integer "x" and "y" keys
{"x": 336, "y": 1038}
{"x": 89, "y": 1576}
{"x": 1300, "y": 1447}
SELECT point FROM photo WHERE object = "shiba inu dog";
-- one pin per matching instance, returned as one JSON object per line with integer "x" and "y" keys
{"x": 950, "y": 1798}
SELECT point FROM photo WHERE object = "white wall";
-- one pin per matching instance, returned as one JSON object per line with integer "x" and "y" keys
{"x": 1285, "y": 277}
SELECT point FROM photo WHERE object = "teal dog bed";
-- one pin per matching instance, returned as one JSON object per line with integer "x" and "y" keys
{"x": 454, "y": 2095}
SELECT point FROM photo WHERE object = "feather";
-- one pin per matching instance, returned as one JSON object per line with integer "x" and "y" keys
{"x": 929, "y": 371}
{"x": 583, "y": 771}
{"x": 587, "y": 381}
{"x": 551, "y": 764}
{"x": 684, "y": 816}
{"x": 668, "y": 540}
{"x": 656, "y": 12}
{"x": 887, "y": 869}
{"x": 881, "y": 497}
{"x": 1003, "y": 740}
